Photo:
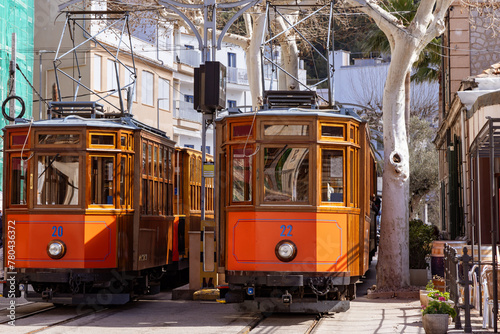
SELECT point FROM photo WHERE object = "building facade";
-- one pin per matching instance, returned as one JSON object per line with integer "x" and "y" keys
{"x": 467, "y": 61}
{"x": 16, "y": 16}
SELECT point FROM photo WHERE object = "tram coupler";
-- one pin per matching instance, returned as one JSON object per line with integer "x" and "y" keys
{"x": 286, "y": 298}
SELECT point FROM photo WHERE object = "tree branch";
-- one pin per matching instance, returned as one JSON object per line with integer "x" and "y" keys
{"x": 387, "y": 22}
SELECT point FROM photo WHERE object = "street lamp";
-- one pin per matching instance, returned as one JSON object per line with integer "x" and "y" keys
{"x": 158, "y": 110}
{"x": 40, "y": 53}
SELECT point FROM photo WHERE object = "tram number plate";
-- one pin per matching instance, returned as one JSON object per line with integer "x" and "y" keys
{"x": 286, "y": 230}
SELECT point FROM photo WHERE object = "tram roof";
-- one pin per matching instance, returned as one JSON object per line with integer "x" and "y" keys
{"x": 119, "y": 122}
{"x": 335, "y": 113}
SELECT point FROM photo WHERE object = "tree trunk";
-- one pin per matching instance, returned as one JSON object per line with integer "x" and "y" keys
{"x": 393, "y": 259}
{"x": 253, "y": 59}
{"x": 414, "y": 201}
{"x": 407, "y": 100}
{"x": 289, "y": 56}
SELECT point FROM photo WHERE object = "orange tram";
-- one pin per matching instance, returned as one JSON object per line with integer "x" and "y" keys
{"x": 91, "y": 215}
{"x": 295, "y": 214}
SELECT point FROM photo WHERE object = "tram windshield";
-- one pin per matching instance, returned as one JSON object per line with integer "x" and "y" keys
{"x": 286, "y": 174}
{"x": 57, "y": 180}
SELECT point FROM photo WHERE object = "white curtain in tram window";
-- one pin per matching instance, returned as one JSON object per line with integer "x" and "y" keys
{"x": 70, "y": 170}
{"x": 164, "y": 93}
{"x": 112, "y": 83}
{"x": 41, "y": 181}
{"x": 147, "y": 88}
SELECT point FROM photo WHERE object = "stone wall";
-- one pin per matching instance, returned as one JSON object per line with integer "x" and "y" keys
{"x": 484, "y": 45}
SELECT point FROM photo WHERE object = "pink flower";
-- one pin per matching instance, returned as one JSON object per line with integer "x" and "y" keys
{"x": 442, "y": 299}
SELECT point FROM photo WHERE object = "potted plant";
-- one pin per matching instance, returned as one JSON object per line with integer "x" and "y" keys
{"x": 436, "y": 315}
{"x": 424, "y": 299}
{"x": 420, "y": 246}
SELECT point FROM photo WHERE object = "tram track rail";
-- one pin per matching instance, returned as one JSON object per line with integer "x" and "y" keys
{"x": 27, "y": 315}
{"x": 65, "y": 321}
{"x": 261, "y": 318}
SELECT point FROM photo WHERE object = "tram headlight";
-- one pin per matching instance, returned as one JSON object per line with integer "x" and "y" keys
{"x": 56, "y": 249}
{"x": 286, "y": 250}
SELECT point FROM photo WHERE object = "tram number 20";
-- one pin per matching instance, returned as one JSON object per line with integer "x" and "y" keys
{"x": 57, "y": 231}
{"x": 286, "y": 230}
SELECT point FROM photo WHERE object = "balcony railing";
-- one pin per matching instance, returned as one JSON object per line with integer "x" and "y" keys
{"x": 189, "y": 57}
{"x": 185, "y": 111}
{"x": 237, "y": 76}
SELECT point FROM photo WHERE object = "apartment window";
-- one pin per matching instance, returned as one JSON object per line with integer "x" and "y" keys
{"x": 207, "y": 149}
{"x": 97, "y": 72}
{"x": 112, "y": 83}
{"x": 189, "y": 47}
{"x": 189, "y": 146}
{"x": 231, "y": 59}
{"x": 189, "y": 98}
{"x": 164, "y": 93}
{"x": 147, "y": 88}
{"x": 231, "y": 103}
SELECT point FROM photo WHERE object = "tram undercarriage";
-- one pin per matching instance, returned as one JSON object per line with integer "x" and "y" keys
{"x": 290, "y": 292}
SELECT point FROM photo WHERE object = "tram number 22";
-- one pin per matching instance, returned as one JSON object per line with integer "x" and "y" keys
{"x": 57, "y": 231}
{"x": 286, "y": 230}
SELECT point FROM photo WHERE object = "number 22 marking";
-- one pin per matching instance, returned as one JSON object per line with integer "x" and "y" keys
{"x": 283, "y": 231}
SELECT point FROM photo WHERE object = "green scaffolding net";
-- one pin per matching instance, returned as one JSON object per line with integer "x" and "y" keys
{"x": 16, "y": 16}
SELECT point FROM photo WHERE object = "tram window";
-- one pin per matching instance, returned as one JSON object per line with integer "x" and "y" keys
{"x": 108, "y": 140}
{"x": 332, "y": 176}
{"x": 18, "y": 181}
{"x": 122, "y": 181}
{"x": 155, "y": 161}
{"x": 242, "y": 130}
{"x": 58, "y": 139}
{"x": 150, "y": 160}
{"x": 57, "y": 180}
{"x": 242, "y": 175}
{"x": 101, "y": 183}
{"x": 131, "y": 142}
{"x": 123, "y": 142}
{"x": 286, "y": 174}
{"x": 286, "y": 130}
{"x": 332, "y": 131}
{"x": 144, "y": 195}
{"x": 160, "y": 163}
{"x": 144, "y": 155}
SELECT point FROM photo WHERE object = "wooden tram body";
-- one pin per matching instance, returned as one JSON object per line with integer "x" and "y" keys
{"x": 295, "y": 214}
{"x": 88, "y": 208}
{"x": 187, "y": 199}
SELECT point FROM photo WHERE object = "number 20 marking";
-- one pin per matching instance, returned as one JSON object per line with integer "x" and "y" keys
{"x": 57, "y": 231}
{"x": 283, "y": 231}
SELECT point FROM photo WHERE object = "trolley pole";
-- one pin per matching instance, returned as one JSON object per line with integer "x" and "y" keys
{"x": 12, "y": 74}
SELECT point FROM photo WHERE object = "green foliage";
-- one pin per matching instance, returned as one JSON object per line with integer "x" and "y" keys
{"x": 427, "y": 66}
{"x": 429, "y": 286}
{"x": 423, "y": 157}
{"x": 438, "y": 295}
{"x": 420, "y": 238}
{"x": 436, "y": 307}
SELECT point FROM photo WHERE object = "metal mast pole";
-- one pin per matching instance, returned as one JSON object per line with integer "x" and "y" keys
{"x": 12, "y": 69}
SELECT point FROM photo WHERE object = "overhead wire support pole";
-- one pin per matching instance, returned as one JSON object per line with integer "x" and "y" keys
{"x": 209, "y": 8}
{"x": 331, "y": 58}
{"x": 12, "y": 74}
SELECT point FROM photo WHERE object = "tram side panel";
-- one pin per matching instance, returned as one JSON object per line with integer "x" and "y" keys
{"x": 321, "y": 241}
